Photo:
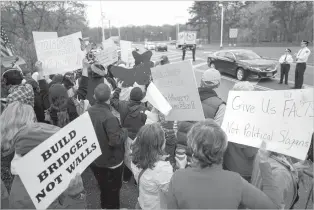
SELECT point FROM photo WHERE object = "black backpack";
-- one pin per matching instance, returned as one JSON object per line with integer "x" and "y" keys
{"x": 134, "y": 123}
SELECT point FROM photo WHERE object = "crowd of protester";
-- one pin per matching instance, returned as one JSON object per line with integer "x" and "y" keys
{"x": 176, "y": 165}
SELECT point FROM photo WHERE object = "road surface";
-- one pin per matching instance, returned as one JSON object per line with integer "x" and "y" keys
{"x": 129, "y": 192}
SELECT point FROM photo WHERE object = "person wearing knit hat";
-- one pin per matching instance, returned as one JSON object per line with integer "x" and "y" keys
{"x": 108, "y": 167}
{"x": 132, "y": 115}
{"x": 213, "y": 106}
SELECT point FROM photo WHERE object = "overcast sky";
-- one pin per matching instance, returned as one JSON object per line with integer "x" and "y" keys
{"x": 138, "y": 12}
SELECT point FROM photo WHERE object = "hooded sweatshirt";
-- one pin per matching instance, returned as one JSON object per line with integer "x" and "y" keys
{"x": 25, "y": 140}
{"x": 132, "y": 113}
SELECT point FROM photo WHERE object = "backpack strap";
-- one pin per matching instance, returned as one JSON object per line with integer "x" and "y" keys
{"x": 139, "y": 178}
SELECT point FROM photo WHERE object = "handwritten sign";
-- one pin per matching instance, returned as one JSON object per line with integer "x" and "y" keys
{"x": 61, "y": 54}
{"x": 57, "y": 160}
{"x": 177, "y": 83}
{"x": 107, "y": 56}
{"x": 284, "y": 119}
{"x": 39, "y": 36}
{"x": 126, "y": 51}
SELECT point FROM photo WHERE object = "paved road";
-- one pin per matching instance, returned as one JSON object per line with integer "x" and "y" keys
{"x": 129, "y": 192}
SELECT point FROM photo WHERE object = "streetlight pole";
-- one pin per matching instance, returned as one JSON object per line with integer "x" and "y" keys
{"x": 102, "y": 22}
{"x": 222, "y": 24}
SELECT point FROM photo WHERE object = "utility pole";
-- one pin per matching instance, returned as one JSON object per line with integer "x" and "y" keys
{"x": 102, "y": 22}
{"x": 109, "y": 29}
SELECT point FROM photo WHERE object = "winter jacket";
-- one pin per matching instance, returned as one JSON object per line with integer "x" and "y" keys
{"x": 110, "y": 136}
{"x": 25, "y": 140}
{"x": 132, "y": 113}
{"x": 4, "y": 196}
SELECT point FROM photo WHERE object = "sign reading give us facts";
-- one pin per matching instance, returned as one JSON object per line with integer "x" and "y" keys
{"x": 284, "y": 119}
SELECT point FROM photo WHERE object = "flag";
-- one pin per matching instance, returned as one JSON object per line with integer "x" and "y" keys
{"x": 6, "y": 46}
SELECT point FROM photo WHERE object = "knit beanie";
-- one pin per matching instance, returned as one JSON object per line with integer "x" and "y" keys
{"x": 136, "y": 94}
{"x": 211, "y": 78}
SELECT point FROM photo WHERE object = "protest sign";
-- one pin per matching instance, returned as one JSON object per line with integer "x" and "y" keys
{"x": 39, "y": 36}
{"x": 126, "y": 51}
{"x": 284, "y": 119}
{"x": 61, "y": 54}
{"x": 177, "y": 83}
{"x": 107, "y": 56}
{"x": 47, "y": 170}
{"x": 154, "y": 96}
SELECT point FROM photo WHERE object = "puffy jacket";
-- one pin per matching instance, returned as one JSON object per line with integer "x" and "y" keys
{"x": 26, "y": 140}
{"x": 132, "y": 113}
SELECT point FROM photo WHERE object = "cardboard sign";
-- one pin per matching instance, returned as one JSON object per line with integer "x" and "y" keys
{"x": 284, "y": 119}
{"x": 46, "y": 174}
{"x": 39, "y": 36}
{"x": 107, "y": 56}
{"x": 60, "y": 55}
{"x": 126, "y": 51}
{"x": 154, "y": 96}
{"x": 178, "y": 85}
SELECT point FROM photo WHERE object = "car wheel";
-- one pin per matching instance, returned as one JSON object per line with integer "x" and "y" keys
{"x": 212, "y": 65}
{"x": 241, "y": 75}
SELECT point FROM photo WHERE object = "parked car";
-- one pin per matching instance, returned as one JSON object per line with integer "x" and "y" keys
{"x": 161, "y": 47}
{"x": 243, "y": 64}
{"x": 151, "y": 46}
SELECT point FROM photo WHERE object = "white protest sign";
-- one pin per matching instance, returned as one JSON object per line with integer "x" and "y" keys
{"x": 177, "y": 84}
{"x": 154, "y": 96}
{"x": 39, "y": 35}
{"x": 61, "y": 54}
{"x": 46, "y": 174}
{"x": 284, "y": 119}
{"x": 126, "y": 51}
{"x": 107, "y": 56}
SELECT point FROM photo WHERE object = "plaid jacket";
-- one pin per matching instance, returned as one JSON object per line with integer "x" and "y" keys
{"x": 22, "y": 93}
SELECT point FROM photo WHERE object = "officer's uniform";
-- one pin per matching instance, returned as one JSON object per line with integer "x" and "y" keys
{"x": 285, "y": 61}
{"x": 301, "y": 59}
{"x": 183, "y": 51}
{"x": 193, "y": 52}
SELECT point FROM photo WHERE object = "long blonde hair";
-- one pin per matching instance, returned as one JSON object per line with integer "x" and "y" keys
{"x": 14, "y": 117}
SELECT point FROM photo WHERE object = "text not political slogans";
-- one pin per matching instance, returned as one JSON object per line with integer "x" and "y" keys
{"x": 284, "y": 119}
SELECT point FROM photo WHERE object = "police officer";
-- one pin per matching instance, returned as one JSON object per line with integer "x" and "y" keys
{"x": 301, "y": 59}
{"x": 193, "y": 52}
{"x": 285, "y": 61}
{"x": 184, "y": 51}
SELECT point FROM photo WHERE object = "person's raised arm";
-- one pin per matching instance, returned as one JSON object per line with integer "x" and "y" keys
{"x": 83, "y": 85}
{"x": 270, "y": 197}
{"x": 115, "y": 101}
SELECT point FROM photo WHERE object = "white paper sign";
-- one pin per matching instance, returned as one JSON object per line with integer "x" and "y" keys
{"x": 284, "y": 119}
{"x": 177, "y": 84}
{"x": 46, "y": 174}
{"x": 126, "y": 51}
{"x": 60, "y": 55}
{"x": 107, "y": 56}
{"x": 39, "y": 36}
{"x": 154, "y": 96}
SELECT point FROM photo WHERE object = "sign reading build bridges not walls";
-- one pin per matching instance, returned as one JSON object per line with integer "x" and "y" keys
{"x": 57, "y": 160}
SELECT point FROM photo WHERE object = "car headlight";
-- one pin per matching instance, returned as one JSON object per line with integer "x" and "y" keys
{"x": 255, "y": 68}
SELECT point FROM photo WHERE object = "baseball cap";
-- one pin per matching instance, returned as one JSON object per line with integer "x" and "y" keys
{"x": 211, "y": 78}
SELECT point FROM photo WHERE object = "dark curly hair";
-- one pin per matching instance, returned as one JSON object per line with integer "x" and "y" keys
{"x": 148, "y": 146}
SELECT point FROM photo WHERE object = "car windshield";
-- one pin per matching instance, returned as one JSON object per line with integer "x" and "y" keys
{"x": 246, "y": 55}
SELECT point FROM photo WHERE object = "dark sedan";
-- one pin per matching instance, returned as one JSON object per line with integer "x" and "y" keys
{"x": 243, "y": 64}
{"x": 161, "y": 47}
